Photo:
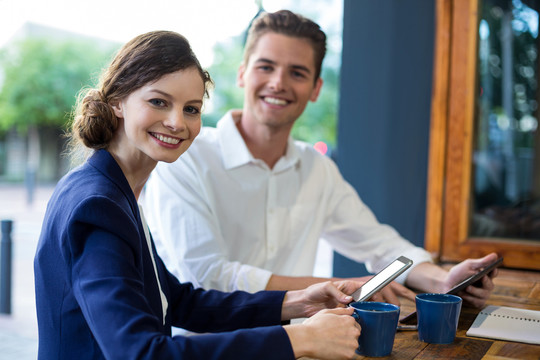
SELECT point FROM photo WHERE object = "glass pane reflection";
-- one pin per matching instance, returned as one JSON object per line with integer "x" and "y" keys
{"x": 506, "y": 153}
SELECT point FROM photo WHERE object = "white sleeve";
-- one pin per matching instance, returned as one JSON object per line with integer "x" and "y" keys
{"x": 187, "y": 233}
{"x": 353, "y": 230}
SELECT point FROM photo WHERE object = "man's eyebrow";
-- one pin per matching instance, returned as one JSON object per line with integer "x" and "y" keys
{"x": 296, "y": 67}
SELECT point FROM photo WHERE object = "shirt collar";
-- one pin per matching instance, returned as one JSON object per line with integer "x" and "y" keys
{"x": 236, "y": 153}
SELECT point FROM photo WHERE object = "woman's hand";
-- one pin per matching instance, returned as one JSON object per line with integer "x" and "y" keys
{"x": 325, "y": 295}
{"x": 329, "y": 334}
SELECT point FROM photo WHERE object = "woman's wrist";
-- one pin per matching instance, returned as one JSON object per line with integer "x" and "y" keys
{"x": 293, "y": 305}
{"x": 300, "y": 340}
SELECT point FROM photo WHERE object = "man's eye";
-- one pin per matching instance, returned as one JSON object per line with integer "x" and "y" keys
{"x": 157, "y": 102}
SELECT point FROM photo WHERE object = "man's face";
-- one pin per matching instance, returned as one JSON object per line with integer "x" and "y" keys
{"x": 278, "y": 80}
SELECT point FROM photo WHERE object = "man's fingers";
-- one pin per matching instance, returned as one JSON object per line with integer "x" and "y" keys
{"x": 406, "y": 292}
{"x": 483, "y": 262}
{"x": 473, "y": 300}
{"x": 390, "y": 296}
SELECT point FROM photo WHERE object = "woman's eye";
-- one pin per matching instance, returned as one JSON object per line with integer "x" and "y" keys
{"x": 157, "y": 102}
{"x": 191, "y": 110}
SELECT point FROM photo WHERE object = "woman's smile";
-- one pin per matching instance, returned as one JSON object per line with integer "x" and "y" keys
{"x": 169, "y": 140}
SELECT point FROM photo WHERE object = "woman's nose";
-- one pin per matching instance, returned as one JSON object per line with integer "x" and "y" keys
{"x": 175, "y": 121}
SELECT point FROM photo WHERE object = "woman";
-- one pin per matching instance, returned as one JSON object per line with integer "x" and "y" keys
{"x": 101, "y": 290}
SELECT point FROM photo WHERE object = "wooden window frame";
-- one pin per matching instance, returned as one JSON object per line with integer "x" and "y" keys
{"x": 451, "y": 140}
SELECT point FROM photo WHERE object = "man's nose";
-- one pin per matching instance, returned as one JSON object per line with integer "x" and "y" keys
{"x": 278, "y": 81}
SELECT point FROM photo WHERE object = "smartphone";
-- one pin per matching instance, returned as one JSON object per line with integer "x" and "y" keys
{"x": 475, "y": 277}
{"x": 382, "y": 278}
{"x": 461, "y": 286}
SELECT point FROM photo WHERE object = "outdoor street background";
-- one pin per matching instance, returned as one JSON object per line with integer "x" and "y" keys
{"x": 18, "y": 331}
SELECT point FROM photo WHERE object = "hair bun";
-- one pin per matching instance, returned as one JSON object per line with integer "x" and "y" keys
{"x": 96, "y": 121}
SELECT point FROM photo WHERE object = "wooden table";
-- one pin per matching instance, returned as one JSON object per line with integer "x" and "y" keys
{"x": 519, "y": 289}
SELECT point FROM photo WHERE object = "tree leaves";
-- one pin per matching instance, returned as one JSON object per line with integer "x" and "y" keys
{"x": 42, "y": 77}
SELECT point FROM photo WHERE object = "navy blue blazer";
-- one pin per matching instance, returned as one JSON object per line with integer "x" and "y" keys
{"x": 97, "y": 295}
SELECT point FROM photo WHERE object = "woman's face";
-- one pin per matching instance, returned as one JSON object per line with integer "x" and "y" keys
{"x": 160, "y": 120}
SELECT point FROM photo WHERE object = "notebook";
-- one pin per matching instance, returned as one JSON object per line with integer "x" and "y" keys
{"x": 507, "y": 323}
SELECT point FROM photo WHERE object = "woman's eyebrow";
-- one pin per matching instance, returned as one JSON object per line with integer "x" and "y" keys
{"x": 160, "y": 92}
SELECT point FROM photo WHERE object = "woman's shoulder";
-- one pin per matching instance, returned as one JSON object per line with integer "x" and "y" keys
{"x": 86, "y": 185}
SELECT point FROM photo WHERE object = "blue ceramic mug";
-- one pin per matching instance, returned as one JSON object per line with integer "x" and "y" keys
{"x": 438, "y": 317}
{"x": 379, "y": 323}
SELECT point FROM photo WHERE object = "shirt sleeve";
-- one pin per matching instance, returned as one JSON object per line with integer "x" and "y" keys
{"x": 187, "y": 232}
{"x": 353, "y": 230}
{"x": 108, "y": 283}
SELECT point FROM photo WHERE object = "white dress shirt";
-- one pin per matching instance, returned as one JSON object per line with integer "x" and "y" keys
{"x": 224, "y": 220}
{"x": 164, "y": 303}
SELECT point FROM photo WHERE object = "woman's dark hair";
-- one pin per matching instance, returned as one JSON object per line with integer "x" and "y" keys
{"x": 143, "y": 60}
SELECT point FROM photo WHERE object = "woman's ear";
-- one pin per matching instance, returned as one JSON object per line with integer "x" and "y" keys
{"x": 117, "y": 108}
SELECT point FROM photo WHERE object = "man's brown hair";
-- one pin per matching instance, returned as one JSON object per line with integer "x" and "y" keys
{"x": 290, "y": 24}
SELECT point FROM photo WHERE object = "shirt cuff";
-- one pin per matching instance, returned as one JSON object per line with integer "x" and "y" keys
{"x": 252, "y": 279}
{"x": 418, "y": 256}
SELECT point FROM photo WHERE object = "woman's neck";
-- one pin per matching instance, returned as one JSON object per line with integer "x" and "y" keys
{"x": 136, "y": 169}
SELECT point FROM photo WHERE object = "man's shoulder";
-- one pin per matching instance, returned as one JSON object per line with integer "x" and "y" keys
{"x": 205, "y": 149}
{"x": 208, "y": 137}
{"x": 206, "y": 141}
{"x": 313, "y": 159}
{"x": 208, "y": 134}
{"x": 307, "y": 150}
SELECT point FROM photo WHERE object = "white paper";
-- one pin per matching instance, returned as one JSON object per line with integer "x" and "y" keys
{"x": 507, "y": 323}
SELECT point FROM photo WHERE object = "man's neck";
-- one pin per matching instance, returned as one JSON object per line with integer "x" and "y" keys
{"x": 265, "y": 143}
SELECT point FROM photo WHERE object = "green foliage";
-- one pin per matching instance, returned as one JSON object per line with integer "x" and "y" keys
{"x": 41, "y": 79}
{"x": 319, "y": 120}
{"x": 226, "y": 94}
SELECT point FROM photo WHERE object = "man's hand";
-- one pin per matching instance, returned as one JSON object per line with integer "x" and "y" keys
{"x": 476, "y": 296}
{"x": 428, "y": 277}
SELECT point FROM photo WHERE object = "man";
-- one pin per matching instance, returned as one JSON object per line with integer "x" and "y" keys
{"x": 245, "y": 207}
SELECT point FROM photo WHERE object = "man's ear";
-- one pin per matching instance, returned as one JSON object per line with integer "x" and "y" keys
{"x": 240, "y": 75}
{"x": 316, "y": 90}
{"x": 117, "y": 108}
